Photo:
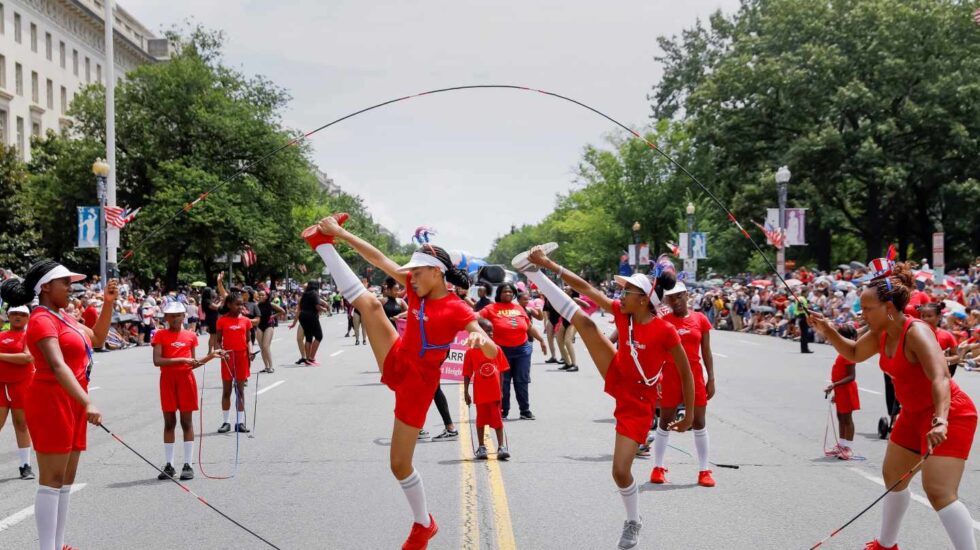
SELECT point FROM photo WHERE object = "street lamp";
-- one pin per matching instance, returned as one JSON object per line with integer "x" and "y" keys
{"x": 782, "y": 188}
{"x": 101, "y": 170}
{"x": 636, "y": 245}
{"x": 690, "y": 239}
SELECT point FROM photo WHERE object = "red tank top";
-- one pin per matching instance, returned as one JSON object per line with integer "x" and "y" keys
{"x": 912, "y": 388}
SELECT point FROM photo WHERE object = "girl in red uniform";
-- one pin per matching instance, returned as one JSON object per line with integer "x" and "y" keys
{"x": 936, "y": 415}
{"x": 57, "y": 405}
{"x": 932, "y": 314}
{"x": 16, "y": 371}
{"x": 632, "y": 371}
{"x": 236, "y": 364}
{"x": 693, "y": 328}
{"x": 843, "y": 382}
{"x": 409, "y": 364}
{"x": 174, "y": 351}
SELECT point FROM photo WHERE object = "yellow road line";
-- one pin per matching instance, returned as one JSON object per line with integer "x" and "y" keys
{"x": 470, "y": 517}
{"x": 501, "y": 510}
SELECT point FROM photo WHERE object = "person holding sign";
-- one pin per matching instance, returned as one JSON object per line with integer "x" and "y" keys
{"x": 485, "y": 373}
{"x": 409, "y": 364}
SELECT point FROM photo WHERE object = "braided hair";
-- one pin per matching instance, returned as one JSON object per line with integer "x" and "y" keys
{"x": 895, "y": 287}
{"x": 20, "y": 292}
{"x": 454, "y": 275}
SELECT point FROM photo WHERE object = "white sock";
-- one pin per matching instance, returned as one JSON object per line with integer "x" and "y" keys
{"x": 64, "y": 495}
{"x": 959, "y": 526}
{"x": 631, "y": 500}
{"x": 24, "y": 456}
{"x": 563, "y": 303}
{"x": 660, "y": 447}
{"x": 46, "y": 515}
{"x": 225, "y": 414}
{"x": 240, "y": 417}
{"x": 188, "y": 452}
{"x": 415, "y": 493}
{"x": 701, "y": 443}
{"x": 846, "y": 443}
{"x": 168, "y": 449}
{"x": 893, "y": 508}
{"x": 347, "y": 282}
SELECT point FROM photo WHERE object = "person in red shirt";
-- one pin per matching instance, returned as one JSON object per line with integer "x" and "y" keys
{"x": 91, "y": 315}
{"x": 843, "y": 382}
{"x": 57, "y": 405}
{"x": 486, "y": 392}
{"x": 631, "y": 370}
{"x": 236, "y": 363}
{"x": 693, "y": 328}
{"x": 932, "y": 315}
{"x": 937, "y": 417}
{"x": 409, "y": 364}
{"x": 16, "y": 372}
{"x": 174, "y": 352}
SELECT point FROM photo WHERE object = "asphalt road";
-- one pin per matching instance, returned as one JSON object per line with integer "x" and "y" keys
{"x": 316, "y": 474}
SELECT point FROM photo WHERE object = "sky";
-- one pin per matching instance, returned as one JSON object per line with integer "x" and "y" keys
{"x": 469, "y": 164}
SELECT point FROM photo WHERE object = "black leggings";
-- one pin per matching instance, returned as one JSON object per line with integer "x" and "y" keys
{"x": 311, "y": 326}
{"x": 443, "y": 407}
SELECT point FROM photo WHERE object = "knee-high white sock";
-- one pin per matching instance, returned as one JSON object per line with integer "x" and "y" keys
{"x": 959, "y": 526}
{"x": 660, "y": 447}
{"x": 24, "y": 456}
{"x": 893, "y": 508}
{"x": 46, "y": 515}
{"x": 701, "y": 443}
{"x": 188, "y": 452}
{"x": 64, "y": 495}
{"x": 347, "y": 282}
{"x": 563, "y": 303}
{"x": 225, "y": 414}
{"x": 168, "y": 451}
{"x": 631, "y": 500}
{"x": 415, "y": 493}
{"x": 240, "y": 417}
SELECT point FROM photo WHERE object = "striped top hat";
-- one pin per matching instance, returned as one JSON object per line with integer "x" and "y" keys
{"x": 881, "y": 267}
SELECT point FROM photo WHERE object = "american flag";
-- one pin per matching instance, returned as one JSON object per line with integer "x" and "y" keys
{"x": 674, "y": 249}
{"x": 775, "y": 237}
{"x": 249, "y": 257}
{"x": 976, "y": 17}
{"x": 119, "y": 217}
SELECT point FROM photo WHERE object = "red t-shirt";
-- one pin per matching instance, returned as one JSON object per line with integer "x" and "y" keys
{"x": 444, "y": 319}
{"x": 510, "y": 323}
{"x": 175, "y": 345}
{"x": 13, "y": 341}
{"x": 691, "y": 329}
{"x": 653, "y": 341}
{"x": 485, "y": 374}
{"x": 946, "y": 339}
{"x": 918, "y": 298}
{"x": 234, "y": 332}
{"x": 72, "y": 340}
{"x": 839, "y": 371}
{"x": 90, "y": 316}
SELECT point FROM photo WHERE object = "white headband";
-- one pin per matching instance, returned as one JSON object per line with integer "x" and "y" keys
{"x": 420, "y": 259}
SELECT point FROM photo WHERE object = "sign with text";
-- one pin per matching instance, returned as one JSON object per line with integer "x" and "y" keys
{"x": 452, "y": 367}
{"x": 938, "y": 255}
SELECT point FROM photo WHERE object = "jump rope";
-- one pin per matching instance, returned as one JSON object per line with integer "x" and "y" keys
{"x": 239, "y": 398}
{"x": 729, "y": 214}
{"x": 831, "y": 427}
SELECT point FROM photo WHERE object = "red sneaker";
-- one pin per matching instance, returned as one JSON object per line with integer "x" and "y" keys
{"x": 657, "y": 475}
{"x": 66, "y": 547}
{"x": 705, "y": 479}
{"x": 315, "y": 238}
{"x": 420, "y": 536}
{"x": 875, "y": 545}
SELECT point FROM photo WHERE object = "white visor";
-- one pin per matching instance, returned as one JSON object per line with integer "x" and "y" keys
{"x": 19, "y": 309}
{"x": 423, "y": 260}
{"x": 642, "y": 282}
{"x": 174, "y": 308}
{"x": 678, "y": 288}
{"x": 59, "y": 272}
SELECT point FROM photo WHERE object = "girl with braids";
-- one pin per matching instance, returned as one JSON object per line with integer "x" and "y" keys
{"x": 57, "y": 405}
{"x": 932, "y": 315}
{"x": 937, "y": 417}
{"x": 632, "y": 370}
{"x": 409, "y": 364}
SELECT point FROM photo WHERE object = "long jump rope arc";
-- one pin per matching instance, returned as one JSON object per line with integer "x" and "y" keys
{"x": 729, "y": 214}
{"x": 239, "y": 398}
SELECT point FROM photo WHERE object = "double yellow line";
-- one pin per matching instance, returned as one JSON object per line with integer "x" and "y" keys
{"x": 470, "y": 513}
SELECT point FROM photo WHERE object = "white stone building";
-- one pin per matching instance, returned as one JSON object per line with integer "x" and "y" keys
{"x": 49, "y": 50}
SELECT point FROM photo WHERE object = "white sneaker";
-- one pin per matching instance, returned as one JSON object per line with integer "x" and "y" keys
{"x": 522, "y": 263}
{"x": 631, "y": 535}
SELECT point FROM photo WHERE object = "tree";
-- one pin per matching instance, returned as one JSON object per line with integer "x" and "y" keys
{"x": 18, "y": 237}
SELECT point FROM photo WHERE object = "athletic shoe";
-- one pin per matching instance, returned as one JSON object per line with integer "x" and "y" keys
{"x": 26, "y": 472}
{"x": 875, "y": 545}
{"x": 503, "y": 453}
{"x": 844, "y": 453}
{"x": 527, "y": 415}
{"x": 420, "y": 536}
{"x": 225, "y": 428}
{"x": 423, "y": 434}
{"x": 315, "y": 238}
{"x": 357, "y": 342}
{"x": 446, "y": 435}
{"x": 186, "y": 472}
{"x": 167, "y": 473}
{"x": 267, "y": 370}
{"x": 833, "y": 451}
{"x": 643, "y": 450}
{"x": 300, "y": 361}
{"x": 481, "y": 453}
{"x": 504, "y": 414}
{"x": 240, "y": 428}
{"x": 565, "y": 366}
{"x": 313, "y": 362}
{"x": 572, "y": 368}
{"x": 658, "y": 475}
{"x": 522, "y": 263}
{"x": 631, "y": 535}
{"x": 551, "y": 361}
{"x": 66, "y": 547}
{"x": 705, "y": 479}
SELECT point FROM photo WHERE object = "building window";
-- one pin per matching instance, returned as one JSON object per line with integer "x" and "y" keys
{"x": 3, "y": 72}
{"x": 19, "y": 78}
{"x": 88, "y": 70}
{"x": 48, "y": 48}
{"x": 33, "y": 38}
{"x": 74, "y": 61}
{"x": 98, "y": 72}
{"x": 50, "y": 91}
{"x": 36, "y": 128}
{"x": 64, "y": 100}
{"x": 20, "y": 136}
{"x": 35, "y": 93}
{"x": 3, "y": 126}
{"x": 17, "y": 37}
{"x": 3, "y": 26}
{"x": 61, "y": 53}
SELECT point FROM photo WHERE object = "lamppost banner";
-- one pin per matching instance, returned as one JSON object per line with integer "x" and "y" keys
{"x": 89, "y": 227}
{"x": 795, "y": 224}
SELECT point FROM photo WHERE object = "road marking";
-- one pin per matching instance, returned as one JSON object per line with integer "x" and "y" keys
{"x": 860, "y": 389}
{"x": 269, "y": 387}
{"x": 719, "y": 354}
{"x": 93, "y": 388}
{"x": 747, "y": 342}
{"x": 470, "y": 518}
{"x": 336, "y": 353}
{"x": 918, "y": 498}
{"x": 14, "y": 519}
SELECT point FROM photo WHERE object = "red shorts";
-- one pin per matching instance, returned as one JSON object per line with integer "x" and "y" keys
{"x": 634, "y": 417}
{"x": 14, "y": 394}
{"x": 672, "y": 392}
{"x": 178, "y": 390}
{"x": 911, "y": 428}
{"x": 57, "y": 423}
{"x": 846, "y": 398}
{"x": 489, "y": 414}
{"x": 239, "y": 361}
{"x": 413, "y": 382}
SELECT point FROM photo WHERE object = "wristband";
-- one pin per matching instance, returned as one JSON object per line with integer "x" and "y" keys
{"x": 938, "y": 421}
{"x": 561, "y": 269}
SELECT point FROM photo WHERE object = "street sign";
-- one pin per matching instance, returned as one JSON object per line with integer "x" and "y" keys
{"x": 691, "y": 268}
{"x": 938, "y": 256}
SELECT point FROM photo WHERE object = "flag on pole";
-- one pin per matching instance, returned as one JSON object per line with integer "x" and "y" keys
{"x": 118, "y": 217}
{"x": 976, "y": 17}
{"x": 248, "y": 257}
{"x": 892, "y": 253}
{"x": 674, "y": 249}
{"x": 775, "y": 237}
